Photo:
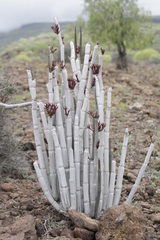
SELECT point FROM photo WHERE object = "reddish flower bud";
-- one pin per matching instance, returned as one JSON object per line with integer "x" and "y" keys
{"x": 51, "y": 109}
{"x": 89, "y": 127}
{"x": 53, "y": 65}
{"x": 55, "y": 29}
{"x": 102, "y": 51}
{"x": 95, "y": 68}
{"x": 62, "y": 66}
{"x": 101, "y": 126}
{"x": 93, "y": 82}
{"x": 62, "y": 39}
{"x": 78, "y": 49}
{"x": 97, "y": 145}
{"x": 90, "y": 58}
{"x": 151, "y": 138}
{"x": 93, "y": 115}
{"x": 66, "y": 112}
{"x": 71, "y": 83}
{"x": 76, "y": 75}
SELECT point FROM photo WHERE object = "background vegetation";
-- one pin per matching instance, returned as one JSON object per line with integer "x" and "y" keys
{"x": 30, "y": 43}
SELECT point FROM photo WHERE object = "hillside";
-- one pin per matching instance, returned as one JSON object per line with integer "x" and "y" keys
{"x": 26, "y": 31}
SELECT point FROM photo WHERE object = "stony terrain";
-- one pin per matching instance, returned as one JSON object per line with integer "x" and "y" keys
{"x": 135, "y": 104}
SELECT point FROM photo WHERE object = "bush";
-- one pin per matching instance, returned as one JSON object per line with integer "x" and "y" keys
{"x": 146, "y": 54}
{"x": 107, "y": 58}
{"x": 7, "y": 145}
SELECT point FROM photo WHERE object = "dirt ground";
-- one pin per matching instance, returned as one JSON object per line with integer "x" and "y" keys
{"x": 135, "y": 105}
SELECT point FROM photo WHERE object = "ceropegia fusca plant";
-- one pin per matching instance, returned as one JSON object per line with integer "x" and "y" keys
{"x": 75, "y": 173}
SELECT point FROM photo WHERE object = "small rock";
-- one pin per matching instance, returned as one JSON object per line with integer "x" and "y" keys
{"x": 124, "y": 79}
{"x": 28, "y": 146}
{"x": 2, "y": 216}
{"x": 83, "y": 221}
{"x": 145, "y": 205}
{"x": 55, "y": 232}
{"x": 9, "y": 204}
{"x": 121, "y": 222}
{"x": 136, "y": 106}
{"x": 4, "y": 198}
{"x": 150, "y": 190}
{"x": 112, "y": 70}
{"x": 39, "y": 227}
{"x": 30, "y": 207}
{"x": 61, "y": 238}
{"x": 8, "y": 187}
{"x": 4, "y": 230}
{"x": 155, "y": 218}
{"x": 14, "y": 212}
{"x": 83, "y": 234}
{"x": 25, "y": 87}
{"x": 13, "y": 195}
{"x": 67, "y": 233}
{"x": 24, "y": 228}
{"x": 154, "y": 114}
{"x": 145, "y": 151}
{"x": 29, "y": 132}
{"x": 25, "y": 203}
{"x": 131, "y": 177}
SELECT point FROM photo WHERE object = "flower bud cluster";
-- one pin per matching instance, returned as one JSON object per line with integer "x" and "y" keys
{"x": 51, "y": 109}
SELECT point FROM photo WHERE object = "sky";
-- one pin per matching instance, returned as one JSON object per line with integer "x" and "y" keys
{"x": 15, "y": 13}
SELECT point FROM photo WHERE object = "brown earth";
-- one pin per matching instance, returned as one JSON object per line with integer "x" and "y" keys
{"x": 135, "y": 104}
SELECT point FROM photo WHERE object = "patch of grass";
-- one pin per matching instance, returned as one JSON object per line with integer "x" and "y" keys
{"x": 123, "y": 106}
{"x": 28, "y": 95}
{"x": 26, "y": 176}
{"x": 19, "y": 98}
{"x": 119, "y": 144}
{"x": 153, "y": 184}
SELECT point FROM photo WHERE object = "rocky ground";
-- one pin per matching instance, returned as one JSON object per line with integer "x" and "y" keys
{"x": 24, "y": 211}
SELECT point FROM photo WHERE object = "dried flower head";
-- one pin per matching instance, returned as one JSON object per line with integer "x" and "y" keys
{"x": 71, "y": 83}
{"x": 95, "y": 68}
{"x": 102, "y": 51}
{"x": 51, "y": 109}
{"x": 78, "y": 49}
{"x": 55, "y": 29}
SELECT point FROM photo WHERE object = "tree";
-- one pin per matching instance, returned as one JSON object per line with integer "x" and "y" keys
{"x": 121, "y": 22}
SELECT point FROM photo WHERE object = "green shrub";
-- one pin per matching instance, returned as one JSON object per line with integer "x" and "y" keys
{"x": 106, "y": 58}
{"x": 27, "y": 56}
{"x": 146, "y": 54}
